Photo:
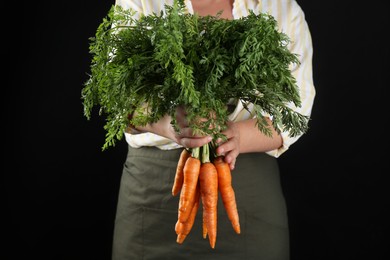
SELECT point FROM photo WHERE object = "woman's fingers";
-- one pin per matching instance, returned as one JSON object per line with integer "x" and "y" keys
{"x": 188, "y": 139}
{"x": 192, "y": 142}
{"x": 230, "y": 149}
{"x": 231, "y": 157}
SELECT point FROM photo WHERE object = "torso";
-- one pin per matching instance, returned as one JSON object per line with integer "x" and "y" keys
{"x": 212, "y": 7}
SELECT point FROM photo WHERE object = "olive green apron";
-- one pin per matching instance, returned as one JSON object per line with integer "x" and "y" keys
{"x": 147, "y": 212}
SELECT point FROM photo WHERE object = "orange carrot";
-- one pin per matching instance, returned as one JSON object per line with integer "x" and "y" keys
{"x": 178, "y": 227}
{"x": 179, "y": 177}
{"x": 227, "y": 192}
{"x": 204, "y": 227}
{"x": 208, "y": 179}
{"x": 183, "y": 229}
{"x": 190, "y": 181}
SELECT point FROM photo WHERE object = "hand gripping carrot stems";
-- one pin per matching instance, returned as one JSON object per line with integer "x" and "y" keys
{"x": 199, "y": 179}
{"x": 117, "y": 89}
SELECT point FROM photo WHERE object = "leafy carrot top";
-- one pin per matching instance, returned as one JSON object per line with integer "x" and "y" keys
{"x": 175, "y": 58}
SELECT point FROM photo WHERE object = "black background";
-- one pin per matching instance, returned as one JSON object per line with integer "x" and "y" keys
{"x": 60, "y": 188}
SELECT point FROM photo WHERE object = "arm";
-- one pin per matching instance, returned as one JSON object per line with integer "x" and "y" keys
{"x": 297, "y": 29}
{"x": 185, "y": 138}
{"x": 245, "y": 137}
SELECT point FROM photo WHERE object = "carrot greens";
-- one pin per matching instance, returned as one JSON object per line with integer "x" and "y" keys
{"x": 163, "y": 60}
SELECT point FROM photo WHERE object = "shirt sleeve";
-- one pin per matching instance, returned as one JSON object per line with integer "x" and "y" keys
{"x": 298, "y": 31}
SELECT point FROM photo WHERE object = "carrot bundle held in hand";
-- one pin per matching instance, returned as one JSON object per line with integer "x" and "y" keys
{"x": 160, "y": 61}
{"x": 212, "y": 178}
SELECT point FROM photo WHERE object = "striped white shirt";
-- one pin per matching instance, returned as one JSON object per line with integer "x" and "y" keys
{"x": 291, "y": 21}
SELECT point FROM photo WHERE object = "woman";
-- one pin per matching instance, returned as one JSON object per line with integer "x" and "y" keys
{"x": 146, "y": 210}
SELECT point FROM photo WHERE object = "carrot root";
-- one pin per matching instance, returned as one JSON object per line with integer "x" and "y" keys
{"x": 204, "y": 227}
{"x": 183, "y": 229}
{"x": 227, "y": 192}
{"x": 179, "y": 176}
{"x": 200, "y": 180}
{"x": 187, "y": 194}
{"x": 208, "y": 179}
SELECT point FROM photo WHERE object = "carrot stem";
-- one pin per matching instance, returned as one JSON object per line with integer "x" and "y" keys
{"x": 195, "y": 152}
{"x": 205, "y": 153}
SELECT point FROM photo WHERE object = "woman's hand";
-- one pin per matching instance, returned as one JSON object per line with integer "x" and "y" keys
{"x": 186, "y": 136}
{"x": 241, "y": 137}
{"x": 245, "y": 137}
{"x": 230, "y": 149}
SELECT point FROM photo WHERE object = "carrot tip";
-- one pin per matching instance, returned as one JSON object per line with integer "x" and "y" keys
{"x": 180, "y": 238}
{"x": 237, "y": 229}
{"x": 212, "y": 243}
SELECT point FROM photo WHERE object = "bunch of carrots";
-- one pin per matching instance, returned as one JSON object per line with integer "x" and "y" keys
{"x": 199, "y": 179}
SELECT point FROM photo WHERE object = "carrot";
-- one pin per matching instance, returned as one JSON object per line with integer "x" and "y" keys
{"x": 178, "y": 227}
{"x": 208, "y": 179}
{"x": 183, "y": 229}
{"x": 178, "y": 182}
{"x": 190, "y": 181}
{"x": 204, "y": 227}
{"x": 227, "y": 192}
